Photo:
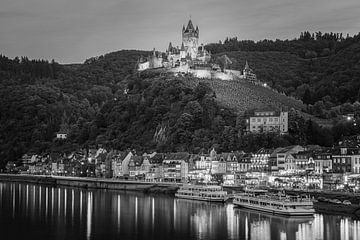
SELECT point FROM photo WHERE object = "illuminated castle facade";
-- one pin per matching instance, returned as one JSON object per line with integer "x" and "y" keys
{"x": 190, "y": 54}
{"x": 192, "y": 58}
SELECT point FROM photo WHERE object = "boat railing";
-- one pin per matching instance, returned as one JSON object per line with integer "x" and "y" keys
{"x": 275, "y": 198}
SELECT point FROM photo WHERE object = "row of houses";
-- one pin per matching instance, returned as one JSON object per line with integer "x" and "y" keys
{"x": 183, "y": 166}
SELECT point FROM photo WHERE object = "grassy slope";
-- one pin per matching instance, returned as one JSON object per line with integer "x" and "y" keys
{"x": 241, "y": 95}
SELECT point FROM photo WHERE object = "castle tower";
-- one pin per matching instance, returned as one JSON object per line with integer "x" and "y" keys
{"x": 190, "y": 39}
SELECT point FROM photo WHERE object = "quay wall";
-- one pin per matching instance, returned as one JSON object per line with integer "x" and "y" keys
{"x": 94, "y": 183}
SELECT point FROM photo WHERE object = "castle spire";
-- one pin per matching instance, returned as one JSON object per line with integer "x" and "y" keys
{"x": 190, "y": 27}
{"x": 170, "y": 47}
{"x": 247, "y": 65}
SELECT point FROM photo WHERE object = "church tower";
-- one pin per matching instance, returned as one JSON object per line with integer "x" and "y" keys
{"x": 190, "y": 39}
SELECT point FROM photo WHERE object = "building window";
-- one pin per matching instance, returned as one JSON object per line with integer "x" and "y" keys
{"x": 259, "y": 119}
{"x": 276, "y": 119}
{"x": 253, "y": 119}
{"x": 270, "y": 119}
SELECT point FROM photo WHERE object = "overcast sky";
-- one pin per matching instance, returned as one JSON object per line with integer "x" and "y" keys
{"x": 71, "y": 31}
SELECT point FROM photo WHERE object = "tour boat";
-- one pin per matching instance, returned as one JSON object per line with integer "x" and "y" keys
{"x": 280, "y": 204}
{"x": 211, "y": 193}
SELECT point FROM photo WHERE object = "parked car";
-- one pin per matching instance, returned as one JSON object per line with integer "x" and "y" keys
{"x": 346, "y": 202}
{"x": 322, "y": 199}
{"x": 337, "y": 201}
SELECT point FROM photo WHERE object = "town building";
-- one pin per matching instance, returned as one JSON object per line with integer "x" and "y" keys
{"x": 260, "y": 160}
{"x": 323, "y": 162}
{"x": 341, "y": 160}
{"x": 263, "y": 121}
{"x": 175, "y": 167}
{"x": 244, "y": 162}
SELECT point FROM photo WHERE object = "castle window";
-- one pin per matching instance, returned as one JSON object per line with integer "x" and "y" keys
{"x": 259, "y": 119}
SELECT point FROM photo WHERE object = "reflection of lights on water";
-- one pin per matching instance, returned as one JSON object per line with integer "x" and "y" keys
{"x": 59, "y": 198}
{"x": 81, "y": 204}
{"x": 356, "y": 229}
{"x": 46, "y": 201}
{"x": 232, "y": 222}
{"x": 65, "y": 198}
{"x": 72, "y": 204}
{"x": 52, "y": 202}
{"x": 33, "y": 199}
{"x": 13, "y": 191}
{"x": 174, "y": 213}
{"x": 118, "y": 210}
{"x": 40, "y": 189}
{"x": 318, "y": 226}
{"x": 260, "y": 229}
{"x": 246, "y": 228}
{"x": 153, "y": 213}
{"x": 89, "y": 214}
{"x": 136, "y": 210}
{"x": 344, "y": 229}
{"x": 27, "y": 198}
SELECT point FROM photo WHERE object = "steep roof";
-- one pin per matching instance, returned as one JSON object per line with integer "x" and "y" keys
{"x": 247, "y": 66}
{"x": 137, "y": 160}
{"x": 177, "y": 156}
{"x": 190, "y": 27}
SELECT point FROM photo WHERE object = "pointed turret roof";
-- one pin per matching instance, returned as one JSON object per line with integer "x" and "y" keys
{"x": 170, "y": 47}
{"x": 190, "y": 26}
{"x": 182, "y": 47}
{"x": 247, "y": 65}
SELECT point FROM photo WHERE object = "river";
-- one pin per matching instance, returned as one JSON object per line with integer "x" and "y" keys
{"x": 30, "y": 211}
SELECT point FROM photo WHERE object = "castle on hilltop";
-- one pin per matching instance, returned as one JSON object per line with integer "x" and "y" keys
{"x": 192, "y": 58}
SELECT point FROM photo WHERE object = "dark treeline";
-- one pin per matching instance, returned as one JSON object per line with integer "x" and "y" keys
{"x": 308, "y": 45}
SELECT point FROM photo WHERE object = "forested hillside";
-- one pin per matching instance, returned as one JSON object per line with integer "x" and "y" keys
{"x": 103, "y": 101}
{"x": 323, "y": 70}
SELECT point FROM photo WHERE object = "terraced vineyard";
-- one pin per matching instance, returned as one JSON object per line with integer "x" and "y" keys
{"x": 241, "y": 95}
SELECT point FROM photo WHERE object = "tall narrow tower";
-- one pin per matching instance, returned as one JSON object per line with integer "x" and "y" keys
{"x": 190, "y": 39}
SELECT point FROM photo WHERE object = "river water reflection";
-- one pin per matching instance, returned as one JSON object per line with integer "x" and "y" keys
{"x": 41, "y": 212}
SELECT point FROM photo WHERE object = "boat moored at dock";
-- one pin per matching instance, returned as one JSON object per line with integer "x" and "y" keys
{"x": 210, "y": 193}
{"x": 276, "y": 204}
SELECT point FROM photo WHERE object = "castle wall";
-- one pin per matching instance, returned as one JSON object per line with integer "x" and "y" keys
{"x": 236, "y": 73}
{"x": 201, "y": 73}
{"x": 183, "y": 68}
{"x": 143, "y": 66}
{"x": 156, "y": 62}
{"x": 222, "y": 76}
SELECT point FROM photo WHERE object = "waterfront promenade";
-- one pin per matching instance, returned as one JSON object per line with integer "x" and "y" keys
{"x": 98, "y": 183}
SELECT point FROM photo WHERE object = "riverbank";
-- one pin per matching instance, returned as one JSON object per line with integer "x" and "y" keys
{"x": 94, "y": 183}
{"x": 333, "y": 208}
